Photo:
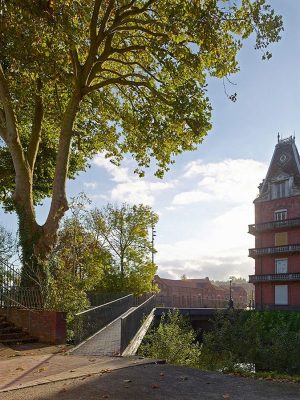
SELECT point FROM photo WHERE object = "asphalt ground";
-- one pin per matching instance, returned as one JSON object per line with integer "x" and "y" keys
{"x": 155, "y": 381}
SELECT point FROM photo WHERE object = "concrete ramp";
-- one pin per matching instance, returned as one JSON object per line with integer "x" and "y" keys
{"x": 105, "y": 342}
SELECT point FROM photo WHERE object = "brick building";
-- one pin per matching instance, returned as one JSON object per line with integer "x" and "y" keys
{"x": 198, "y": 293}
{"x": 277, "y": 232}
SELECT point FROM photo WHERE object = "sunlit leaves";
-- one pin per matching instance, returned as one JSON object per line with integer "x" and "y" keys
{"x": 140, "y": 67}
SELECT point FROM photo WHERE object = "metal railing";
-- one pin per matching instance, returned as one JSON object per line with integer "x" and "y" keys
{"x": 291, "y": 248}
{"x": 274, "y": 277}
{"x": 9, "y": 275}
{"x": 267, "y": 226}
{"x": 12, "y": 295}
{"x": 99, "y": 298}
{"x": 21, "y": 297}
{"x": 88, "y": 322}
{"x": 132, "y": 322}
{"x": 190, "y": 302}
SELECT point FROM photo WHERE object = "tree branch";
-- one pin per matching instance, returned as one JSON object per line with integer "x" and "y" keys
{"x": 122, "y": 81}
{"x": 36, "y": 127}
{"x": 94, "y": 20}
{"x": 59, "y": 204}
{"x": 10, "y": 118}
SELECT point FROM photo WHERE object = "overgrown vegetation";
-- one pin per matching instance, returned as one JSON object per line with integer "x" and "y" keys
{"x": 174, "y": 341}
{"x": 266, "y": 342}
{"x": 104, "y": 250}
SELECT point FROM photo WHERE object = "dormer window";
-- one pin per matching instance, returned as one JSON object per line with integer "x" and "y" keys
{"x": 280, "y": 189}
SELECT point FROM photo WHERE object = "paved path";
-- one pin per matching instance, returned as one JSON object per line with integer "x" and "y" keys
{"x": 158, "y": 382}
{"x": 106, "y": 342}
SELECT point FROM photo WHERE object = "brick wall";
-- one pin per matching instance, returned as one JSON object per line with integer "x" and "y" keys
{"x": 264, "y": 211}
{"x": 47, "y": 326}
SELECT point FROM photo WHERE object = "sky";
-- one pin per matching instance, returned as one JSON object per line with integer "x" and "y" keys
{"x": 205, "y": 202}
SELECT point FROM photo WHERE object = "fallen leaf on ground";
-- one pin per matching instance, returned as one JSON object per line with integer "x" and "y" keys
{"x": 184, "y": 378}
{"x": 19, "y": 369}
{"x": 155, "y": 386}
{"x": 162, "y": 374}
{"x": 42, "y": 369}
{"x": 105, "y": 371}
{"x": 106, "y": 396}
{"x": 127, "y": 380}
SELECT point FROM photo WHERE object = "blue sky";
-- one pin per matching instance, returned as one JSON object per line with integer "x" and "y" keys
{"x": 205, "y": 200}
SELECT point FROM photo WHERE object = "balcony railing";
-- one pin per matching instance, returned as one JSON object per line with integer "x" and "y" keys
{"x": 268, "y": 226}
{"x": 274, "y": 277}
{"x": 264, "y": 251}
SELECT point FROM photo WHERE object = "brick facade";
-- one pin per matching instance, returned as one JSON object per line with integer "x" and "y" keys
{"x": 48, "y": 326}
{"x": 277, "y": 232}
{"x": 199, "y": 293}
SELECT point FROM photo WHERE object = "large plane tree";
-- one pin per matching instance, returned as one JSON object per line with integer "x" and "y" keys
{"x": 78, "y": 77}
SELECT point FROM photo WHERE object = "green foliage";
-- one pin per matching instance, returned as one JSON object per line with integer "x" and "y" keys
{"x": 174, "y": 341}
{"x": 7, "y": 244}
{"x": 139, "y": 71}
{"x": 267, "y": 339}
{"x": 66, "y": 292}
{"x": 124, "y": 233}
{"x": 89, "y": 250}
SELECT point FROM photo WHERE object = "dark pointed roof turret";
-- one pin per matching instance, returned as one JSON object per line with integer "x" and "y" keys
{"x": 283, "y": 176}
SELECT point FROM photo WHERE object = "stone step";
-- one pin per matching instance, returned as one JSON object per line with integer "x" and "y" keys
{"x": 23, "y": 339}
{"x": 11, "y": 328}
{"x": 11, "y": 335}
{"x": 4, "y": 324}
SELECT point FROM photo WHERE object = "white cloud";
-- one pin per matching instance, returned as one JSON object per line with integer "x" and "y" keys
{"x": 90, "y": 185}
{"x": 118, "y": 173}
{"x": 129, "y": 187}
{"x": 232, "y": 181}
{"x": 214, "y": 238}
{"x": 218, "y": 245}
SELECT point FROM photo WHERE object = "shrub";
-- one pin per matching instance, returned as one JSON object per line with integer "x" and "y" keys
{"x": 174, "y": 341}
{"x": 267, "y": 339}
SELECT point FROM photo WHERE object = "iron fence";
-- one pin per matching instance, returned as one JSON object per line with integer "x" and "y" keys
{"x": 88, "y": 322}
{"x": 21, "y": 297}
{"x": 9, "y": 275}
{"x": 132, "y": 322}
{"x": 177, "y": 301}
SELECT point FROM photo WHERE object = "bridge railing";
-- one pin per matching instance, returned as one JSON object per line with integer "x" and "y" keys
{"x": 88, "y": 322}
{"x": 196, "y": 302}
{"x": 132, "y": 322}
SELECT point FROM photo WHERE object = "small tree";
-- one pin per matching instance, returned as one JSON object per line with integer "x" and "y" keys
{"x": 124, "y": 233}
{"x": 7, "y": 244}
{"x": 174, "y": 341}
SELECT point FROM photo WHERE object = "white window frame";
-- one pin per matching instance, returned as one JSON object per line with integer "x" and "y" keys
{"x": 281, "y": 213}
{"x": 276, "y": 267}
{"x": 280, "y": 189}
{"x": 281, "y": 295}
